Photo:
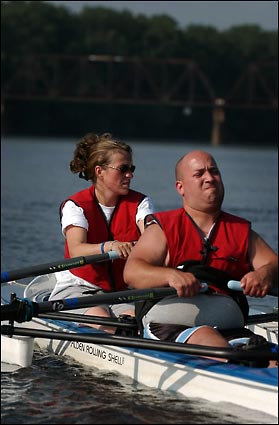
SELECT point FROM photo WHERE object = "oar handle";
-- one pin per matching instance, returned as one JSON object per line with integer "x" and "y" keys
{"x": 236, "y": 286}
{"x": 57, "y": 266}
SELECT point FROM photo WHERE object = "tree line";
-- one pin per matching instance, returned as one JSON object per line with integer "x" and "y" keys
{"x": 37, "y": 27}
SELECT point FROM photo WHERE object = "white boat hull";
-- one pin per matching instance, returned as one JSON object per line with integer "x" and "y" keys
{"x": 187, "y": 375}
{"x": 18, "y": 349}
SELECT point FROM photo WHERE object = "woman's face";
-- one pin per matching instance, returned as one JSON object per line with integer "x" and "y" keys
{"x": 117, "y": 174}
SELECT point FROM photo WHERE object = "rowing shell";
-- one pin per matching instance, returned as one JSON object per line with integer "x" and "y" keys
{"x": 187, "y": 375}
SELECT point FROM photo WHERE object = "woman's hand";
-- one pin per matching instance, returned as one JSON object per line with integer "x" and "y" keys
{"x": 122, "y": 248}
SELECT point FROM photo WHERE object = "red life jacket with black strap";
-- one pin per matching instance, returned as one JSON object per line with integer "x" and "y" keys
{"x": 226, "y": 248}
{"x": 216, "y": 260}
{"x": 107, "y": 275}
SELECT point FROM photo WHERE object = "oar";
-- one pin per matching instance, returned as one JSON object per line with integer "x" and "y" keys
{"x": 262, "y": 318}
{"x": 57, "y": 266}
{"x": 127, "y": 322}
{"x": 25, "y": 309}
{"x": 199, "y": 350}
{"x": 130, "y": 323}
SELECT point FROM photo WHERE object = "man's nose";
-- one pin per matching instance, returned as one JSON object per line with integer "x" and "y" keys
{"x": 208, "y": 175}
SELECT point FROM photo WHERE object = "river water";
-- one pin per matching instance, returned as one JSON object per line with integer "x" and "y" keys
{"x": 35, "y": 179}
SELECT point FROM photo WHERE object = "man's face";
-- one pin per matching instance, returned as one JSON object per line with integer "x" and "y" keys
{"x": 200, "y": 182}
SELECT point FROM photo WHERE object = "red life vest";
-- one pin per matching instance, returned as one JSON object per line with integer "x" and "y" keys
{"x": 107, "y": 275}
{"x": 226, "y": 249}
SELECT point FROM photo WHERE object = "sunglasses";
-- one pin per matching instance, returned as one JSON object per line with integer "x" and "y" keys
{"x": 124, "y": 169}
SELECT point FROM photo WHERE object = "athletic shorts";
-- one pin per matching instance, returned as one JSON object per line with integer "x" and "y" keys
{"x": 175, "y": 319}
{"x": 169, "y": 333}
{"x": 215, "y": 310}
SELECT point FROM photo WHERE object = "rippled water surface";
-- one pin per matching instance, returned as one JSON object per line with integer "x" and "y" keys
{"x": 53, "y": 391}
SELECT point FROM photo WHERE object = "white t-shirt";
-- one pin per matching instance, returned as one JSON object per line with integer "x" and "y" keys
{"x": 74, "y": 215}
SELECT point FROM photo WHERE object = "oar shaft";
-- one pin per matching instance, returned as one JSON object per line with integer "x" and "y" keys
{"x": 262, "y": 318}
{"x": 98, "y": 320}
{"x": 57, "y": 266}
{"x": 199, "y": 350}
{"x": 11, "y": 311}
{"x": 119, "y": 297}
{"x": 119, "y": 322}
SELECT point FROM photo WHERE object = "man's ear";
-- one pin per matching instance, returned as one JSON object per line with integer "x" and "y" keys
{"x": 179, "y": 187}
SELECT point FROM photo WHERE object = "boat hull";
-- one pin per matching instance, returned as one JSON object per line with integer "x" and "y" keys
{"x": 187, "y": 375}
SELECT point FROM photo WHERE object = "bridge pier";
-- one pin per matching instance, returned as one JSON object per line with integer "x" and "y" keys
{"x": 218, "y": 117}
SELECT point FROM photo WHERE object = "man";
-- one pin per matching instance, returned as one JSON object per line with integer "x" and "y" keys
{"x": 206, "y": 244}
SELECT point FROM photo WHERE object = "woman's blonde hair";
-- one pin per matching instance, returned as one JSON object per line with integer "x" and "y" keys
{"x": 94, "y": 149}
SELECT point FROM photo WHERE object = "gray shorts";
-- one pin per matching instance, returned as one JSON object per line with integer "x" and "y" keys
{"x": 214, "y": 310}
{"x": 78, "y": 291}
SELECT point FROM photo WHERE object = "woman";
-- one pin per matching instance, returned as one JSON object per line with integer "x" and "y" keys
{"x": 104, "y": 217}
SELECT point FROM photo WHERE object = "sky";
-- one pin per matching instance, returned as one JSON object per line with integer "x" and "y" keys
{"x": 219, "y": 14}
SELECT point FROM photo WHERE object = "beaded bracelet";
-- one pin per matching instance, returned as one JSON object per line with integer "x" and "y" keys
{"x": 102, "y": 247}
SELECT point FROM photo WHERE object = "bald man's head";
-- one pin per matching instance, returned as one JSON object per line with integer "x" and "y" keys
{"x": 199, "y": 182}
